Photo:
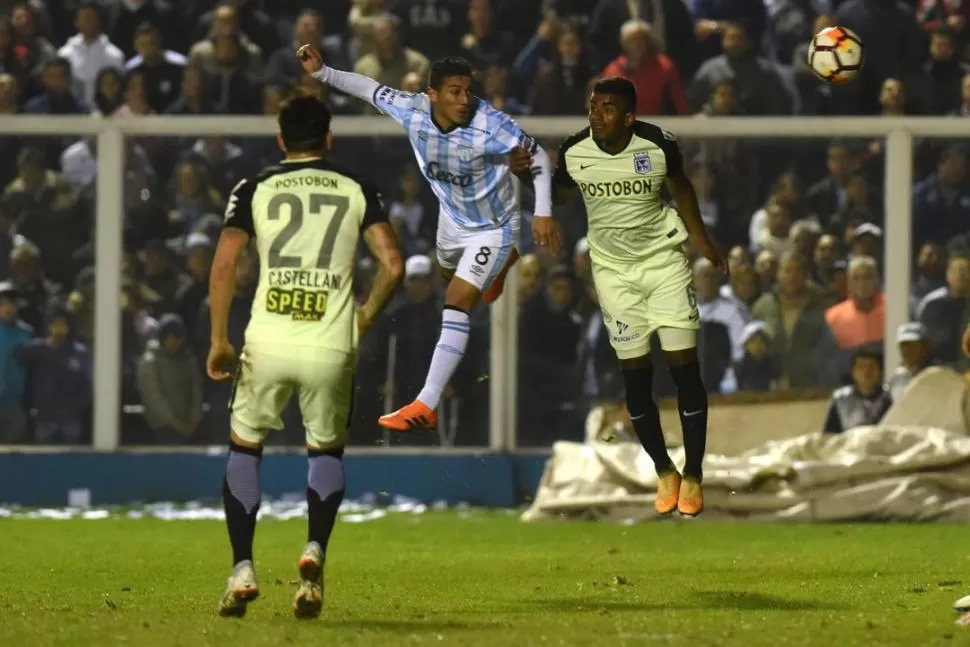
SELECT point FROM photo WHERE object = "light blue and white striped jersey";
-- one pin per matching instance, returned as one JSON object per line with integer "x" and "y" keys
{"x": 467, "y": 166}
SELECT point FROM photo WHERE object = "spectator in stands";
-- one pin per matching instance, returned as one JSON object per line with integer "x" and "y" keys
{"x": 194, "y": 198}
{"x": 170, "y": 384}
{"x": 122, "y": 18}
{"x": 252, "y": 23}
{"x": 672, "y": 24}
{"x": 787, "y": 188}
{"x": 930, "y": 272}
{"x": 247, "y": 56}
{"x": 717, "y": 309}
{"x": 162, "y": 275}
{"x": 943, "y": 73}
{"x": 136, "y": 96}
{"x": 496, "y": 92}
{"x": 828, "y": 196}
{"x": 714, "y": 17}
{"x": 234, "y": 88}
{"x": 794, "y": 317}
{"x": 162, "y": 68}
{"x": 89, "y": 52}
{"x": 857, "y": 322}
{"x": 283, "y": 66}
{"x": 944, "y": 311}
{"x": 198, "y": 259}
{"x": 224, "y": 162}
{"x": 391, "y": 61}
{"x": 776, "y": 235}
{"x": 952, "y": 15}
{"x": 29, "y": 53}
{"x": 828, "y": 251}
{"x": 915, "y": 356}
{"x": 57, "y": 97}
{"x": 560, "y": 84}
{"x": 409, "y": 215}
{"x": 766, "y": 265}
{"x": 866, "y": 240}
{"x": 362, "y": 19}
{"x": 858, "y": 205}
{"x": 484, "y": 45}
{"x": 599, "y": 369}
{"x": 35, "y": 294}
{"x": 893, "y": 101}
{"x": 862, "y": 403}
{"x": 193, "y": 99}
{"x": 60, "y": 382}
{"x": 109, "y": 95}
{"x": 941, "y": 202}
{"x": 760, "y": 88}
{"x": 758, "y": 368}
{"x": 434, "y": 27}
{"x": 659, "y": 88}
{"x": 743, "y": 288}
{"x": 14, "y": 333}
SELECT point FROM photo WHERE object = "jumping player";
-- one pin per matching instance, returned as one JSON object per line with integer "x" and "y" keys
{"x": 642, "y": 275}
{"x": 307, "y": 216}
{"x": 462, "y": 145}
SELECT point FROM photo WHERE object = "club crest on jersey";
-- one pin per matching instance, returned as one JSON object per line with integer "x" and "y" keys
{"x": 641, "y": 163}
{"x": 466, "y": 153}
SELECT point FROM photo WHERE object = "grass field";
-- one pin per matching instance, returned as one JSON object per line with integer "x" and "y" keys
{"x": 489, "y": 579}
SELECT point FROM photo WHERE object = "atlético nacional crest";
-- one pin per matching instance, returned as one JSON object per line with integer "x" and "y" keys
{"x": 641, "y": 163}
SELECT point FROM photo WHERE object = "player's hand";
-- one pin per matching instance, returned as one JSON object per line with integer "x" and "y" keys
{"x": 520, "y": 160}
{"x": 310, "y": 59}
{"x": 546, "y": 233}
{"x": 966, "y": 342}
{"x": 222, "y": 357}
{"x": 710, "y": 251}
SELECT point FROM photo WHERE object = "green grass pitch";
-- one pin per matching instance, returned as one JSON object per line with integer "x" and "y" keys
{"x": 489, "y": 579}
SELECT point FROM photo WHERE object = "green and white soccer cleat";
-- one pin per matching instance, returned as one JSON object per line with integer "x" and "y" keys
{"x": 240, "y": 591}
{"x": 309, "y": 597}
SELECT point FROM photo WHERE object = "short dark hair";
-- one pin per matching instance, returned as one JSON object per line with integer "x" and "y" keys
{"x": 304, "y": 122}
{"x": 88, "y": 4}
{"x": 147, "y": 29}
{"x": 866, "y": 353}
{"x": 450, "y": 66}
{"x": 60, "y": 62}
{"x": 618, "y": 86}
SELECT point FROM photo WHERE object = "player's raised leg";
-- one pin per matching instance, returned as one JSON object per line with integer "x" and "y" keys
{"x": 241, "y": 499}
{"x": 479, "y": 263}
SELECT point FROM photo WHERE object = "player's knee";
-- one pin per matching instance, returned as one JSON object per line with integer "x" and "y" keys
{"x": 679, "y": 345}
{"x": 462, "y": 295}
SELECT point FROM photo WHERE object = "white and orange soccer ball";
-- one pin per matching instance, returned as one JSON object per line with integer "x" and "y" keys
{"x": 836, "y": 55}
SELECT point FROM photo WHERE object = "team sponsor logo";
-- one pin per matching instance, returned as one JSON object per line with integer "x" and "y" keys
{"x": 297, "y": 304}
{"x": 641, "y": 163}
{"x": 435, "y": 172}
{"x": 477, "y": 270}
{"x": 618, "y": 189}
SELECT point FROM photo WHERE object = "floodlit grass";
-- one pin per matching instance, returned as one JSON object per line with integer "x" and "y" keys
{"x": 489, "y": 579}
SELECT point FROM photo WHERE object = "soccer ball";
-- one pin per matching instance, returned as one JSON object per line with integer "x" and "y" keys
{"x": 835, "y": 55}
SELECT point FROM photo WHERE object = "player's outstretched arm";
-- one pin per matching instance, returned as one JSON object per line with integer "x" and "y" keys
{"x": 382, "y": 243}
{"x": 690, "y": 212}
{"x": 222, "y": 286}
{"x": 357, "y": 85}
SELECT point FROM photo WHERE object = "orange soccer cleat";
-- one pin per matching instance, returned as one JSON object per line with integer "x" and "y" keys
{"x": 691, "y": 500}
{"x": 494, "y": 291}
{"x": 416, "y": 415}
{"x": 668, "y": 489}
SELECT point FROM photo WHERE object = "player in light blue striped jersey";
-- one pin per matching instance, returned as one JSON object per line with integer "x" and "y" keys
{"x": 468, "y": 151}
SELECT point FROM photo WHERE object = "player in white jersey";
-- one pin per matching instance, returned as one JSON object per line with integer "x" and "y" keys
{"x": 307, "y": 217}
{"x": 462, "y": 145}
{"x": 643, "y": 280}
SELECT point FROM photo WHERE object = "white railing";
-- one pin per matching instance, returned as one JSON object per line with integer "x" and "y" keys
{"x": 899, "y": 133}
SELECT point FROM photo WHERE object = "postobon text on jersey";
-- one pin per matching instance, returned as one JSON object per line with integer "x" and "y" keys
{"x": 616, "y": 189}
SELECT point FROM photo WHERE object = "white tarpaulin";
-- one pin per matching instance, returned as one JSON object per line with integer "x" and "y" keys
{"x": 896, "y": 471}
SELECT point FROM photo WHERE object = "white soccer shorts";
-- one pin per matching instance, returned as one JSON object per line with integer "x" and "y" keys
{"x": 268, "y": 375}
{"x": 656, "y": 295}
{"x": 475, "y": 256}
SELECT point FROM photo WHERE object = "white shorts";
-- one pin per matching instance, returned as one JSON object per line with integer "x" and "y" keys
{"x": 476, "y": 256}
{"x": 269, "y": 375}
{"x": 651, "y": 296}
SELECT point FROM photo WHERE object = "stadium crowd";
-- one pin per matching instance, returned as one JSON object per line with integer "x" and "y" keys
{"x": 802, "y": 219}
